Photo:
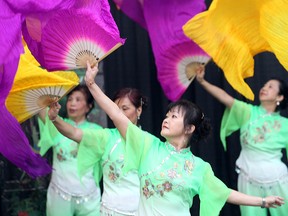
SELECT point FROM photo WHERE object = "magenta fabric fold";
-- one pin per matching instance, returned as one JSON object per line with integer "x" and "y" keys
{"x": 52, "y": 35}
{"x": 10, "y": 37}
{"x": 14, "y": 145}
{"x": 173, "y": 51}
{"x": 133, "y": 9}
{"x": 27, "y": 7}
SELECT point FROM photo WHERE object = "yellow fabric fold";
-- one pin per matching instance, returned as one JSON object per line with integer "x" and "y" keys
{"x": 35, "y": 88}
{"x": 230, "y": 33}
{"x": 274, "y": 28}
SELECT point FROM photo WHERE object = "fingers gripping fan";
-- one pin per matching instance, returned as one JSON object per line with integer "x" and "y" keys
{"x": 177, "y": 67}
{"x": 38, "y": 92}
{"x": 71, "y": 38}
{"x": 35, "y": 88}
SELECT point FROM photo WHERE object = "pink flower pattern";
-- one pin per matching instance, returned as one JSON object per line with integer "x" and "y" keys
{"x": 149, "y": 189}
{"x": 262, "y": 132}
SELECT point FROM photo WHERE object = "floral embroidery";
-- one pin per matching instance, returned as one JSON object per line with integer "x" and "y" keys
{"x": 60, "y": 155}
{"x": 66, "y": 152}
{"x": 167, "y": 186}
{"x": 114, "y": 173}
{"x": 112, "y": 176}
{"x": 74, "y": 153}
{"x": 174, "y": 174}
{"x": 277, "y": 125}
{"x": 147, "y": 193}
{"x": 149, "y": 189}
{"x": 175, "y": 165}
{"x": 188, "y": 166}
{"x": 261, "y": 133}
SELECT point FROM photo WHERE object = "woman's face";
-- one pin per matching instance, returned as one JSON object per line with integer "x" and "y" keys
{"x": 172, "y": 125}
{"x": 77, "y": 106}
{"x": 129, "y": 110}
{"x": 269, "y": 92}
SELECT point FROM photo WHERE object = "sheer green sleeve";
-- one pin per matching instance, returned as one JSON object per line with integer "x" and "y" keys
{"x": 48, "y": 132}
{"x": 234, "y": 118}
{"x": 213, "y": 194}
{"x": 287, "y": 150}
{"x": 138, "y": 143}
{"x": 91, "y": 149}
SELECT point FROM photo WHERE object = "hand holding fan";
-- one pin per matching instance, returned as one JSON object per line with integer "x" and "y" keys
{"x": 35, "y": 88}
{"x": 175, "y": 54}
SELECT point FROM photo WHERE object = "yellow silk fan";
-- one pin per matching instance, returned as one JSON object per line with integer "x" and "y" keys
{"x": 230, "y": 33}
{"x": 35, "y": 88}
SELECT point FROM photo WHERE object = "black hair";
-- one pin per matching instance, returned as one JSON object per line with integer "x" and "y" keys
{"x": 134, "y": 95}
{"x": 193, "y": 115}
{"x": 88, "y": 96}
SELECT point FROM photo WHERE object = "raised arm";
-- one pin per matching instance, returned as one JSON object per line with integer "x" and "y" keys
{"x": 106, "y": 104}
{"x": 215, "y": 91}
{"x": 63, "y": 127}
{"x": 238, "y": 198}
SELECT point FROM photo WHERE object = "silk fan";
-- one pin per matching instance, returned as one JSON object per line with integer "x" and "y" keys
{"x": 35, "y": 88}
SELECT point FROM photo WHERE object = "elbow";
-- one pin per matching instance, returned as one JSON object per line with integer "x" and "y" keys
{"x": 77, "y": 135}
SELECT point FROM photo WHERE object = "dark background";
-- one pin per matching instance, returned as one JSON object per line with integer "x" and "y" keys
{"x": 132, "y": 65}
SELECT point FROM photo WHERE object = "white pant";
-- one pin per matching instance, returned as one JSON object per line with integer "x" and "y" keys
{"x": 278, "y": 188}
{"x": 57, "y": 206}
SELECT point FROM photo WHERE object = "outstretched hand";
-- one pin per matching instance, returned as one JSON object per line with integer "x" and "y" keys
{"x": 273, "y": 201}
{"x": 91, "y": 73}
{"x": 54, "y": 111}
{"x": 200, "y": 73}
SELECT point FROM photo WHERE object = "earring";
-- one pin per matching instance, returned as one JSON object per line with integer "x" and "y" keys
{"x": 277, "y": 103}
{"x": 138, "y": 117}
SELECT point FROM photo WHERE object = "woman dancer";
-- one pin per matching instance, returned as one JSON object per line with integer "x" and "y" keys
{"x": 67, "y": 195}
{"x": 263, "y": 134}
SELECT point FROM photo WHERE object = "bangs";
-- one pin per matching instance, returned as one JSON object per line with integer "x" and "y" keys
{"x": 173, "y": 107}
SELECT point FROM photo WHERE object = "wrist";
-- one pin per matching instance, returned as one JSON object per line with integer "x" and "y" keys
{"x": 90, "y": 83}
{"x": 201, "y": 81}
{"x": 53, "y": 119}
{"x": 263, "y": 204}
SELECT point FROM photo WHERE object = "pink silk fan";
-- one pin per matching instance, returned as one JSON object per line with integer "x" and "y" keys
{"x": 70, "y": 39}
{"x": 177, "y": 57}
{"x": 67, "y": 39}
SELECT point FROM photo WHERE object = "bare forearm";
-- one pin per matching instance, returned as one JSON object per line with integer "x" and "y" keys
{"x": 238, "y": 198}
{"x": 106, "y": 104}
{"x": 218, "y": 93}
{"x": 68, "y": 130}
{"x": 110, "y": 108}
